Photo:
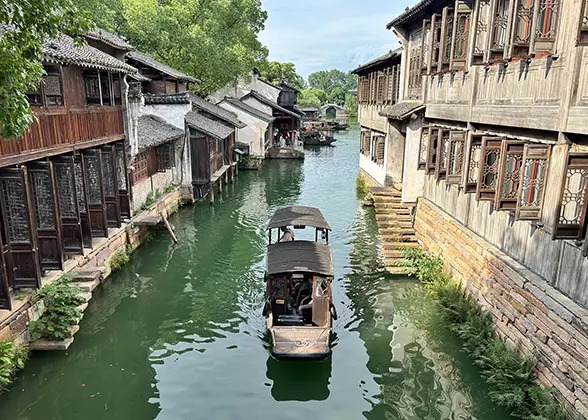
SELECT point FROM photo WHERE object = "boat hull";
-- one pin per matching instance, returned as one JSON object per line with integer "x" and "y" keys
{"x": 300, "y": 342}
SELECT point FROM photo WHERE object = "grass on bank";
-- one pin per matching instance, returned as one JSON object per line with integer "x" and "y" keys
{"x": 511, "y": 377}
{"x": 13, "y": 357}
{"x": 362, "y": 189}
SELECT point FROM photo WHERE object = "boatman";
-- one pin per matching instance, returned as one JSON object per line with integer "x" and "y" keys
{"x": 287, "y": 234}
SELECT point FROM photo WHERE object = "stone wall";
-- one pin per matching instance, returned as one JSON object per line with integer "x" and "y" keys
{"x": 527, "y": 311}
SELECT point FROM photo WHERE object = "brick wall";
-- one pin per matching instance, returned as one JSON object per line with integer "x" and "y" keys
{"x": 527, "y": 311}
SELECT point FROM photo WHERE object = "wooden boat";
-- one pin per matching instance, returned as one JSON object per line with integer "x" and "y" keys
{"x": 298, "y": 277}
{"x": 316, "y": 138}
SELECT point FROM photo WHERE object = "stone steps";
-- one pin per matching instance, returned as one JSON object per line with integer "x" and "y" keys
{"x": 401, "y": 245}
{"x": 396, "y": 270}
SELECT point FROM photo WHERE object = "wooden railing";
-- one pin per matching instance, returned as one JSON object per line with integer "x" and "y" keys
{"x": 62, "y": 126}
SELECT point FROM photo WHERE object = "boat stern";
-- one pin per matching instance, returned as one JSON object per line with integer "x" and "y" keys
{"x": 301, "y": 342}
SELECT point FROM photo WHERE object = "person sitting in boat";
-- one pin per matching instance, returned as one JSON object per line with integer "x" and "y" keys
{"x": 287, "y": 234}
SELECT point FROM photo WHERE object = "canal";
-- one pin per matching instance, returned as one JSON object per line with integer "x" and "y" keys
{"x": 178, "y": 333}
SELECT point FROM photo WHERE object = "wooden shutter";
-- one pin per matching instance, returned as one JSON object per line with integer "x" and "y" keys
{"x": 489, "y": 164}
{"x": 425, "y": 43}
{"x": 442, "y": 155}
{"x": 533, "y": 181}
{"x": 446, "y": 40}
{"x": 573, "y": 202}
{"x": 434, "y": 134}
{"x": 545, "y": 23}
{"x": 460, "y": 42}
{"x": 82, "y": 194}
{"x": 95, "y": 192}
{"x": 69, "y": 213}
{"x": 481, "y": 31}
{"x": 474, "y": 157}
{"x": 522, "y": 28}
{"x": 380, "y": 150}
{"x": 423, "y": 147}
{"x": 499, "y": 28}
{"x": 110, "y": 186}
{"x": 435, "y": 43}
{"x": 511, "y": 162}
{"x": 456, "y": 156}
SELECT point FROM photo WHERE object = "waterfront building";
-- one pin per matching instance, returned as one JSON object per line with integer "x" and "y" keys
{"x": 335, "y": 113}
{"x": 491, "y": 129}
{"x": 311, "y": 112}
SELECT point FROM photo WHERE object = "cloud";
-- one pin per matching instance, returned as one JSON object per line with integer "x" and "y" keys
{"x": 325, "y": 34}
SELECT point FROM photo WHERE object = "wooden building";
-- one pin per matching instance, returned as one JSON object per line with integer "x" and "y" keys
{"x": 65, "y": 181}
{"x": 162, "y": 78}
{"x": 381, "y": 157}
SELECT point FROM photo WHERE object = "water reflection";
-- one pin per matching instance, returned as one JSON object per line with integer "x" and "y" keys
{"x": 299, "y": 380}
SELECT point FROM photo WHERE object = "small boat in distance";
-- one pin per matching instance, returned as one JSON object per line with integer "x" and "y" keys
{"x": 299, "y": 308}
{"x": 316, "y": 138}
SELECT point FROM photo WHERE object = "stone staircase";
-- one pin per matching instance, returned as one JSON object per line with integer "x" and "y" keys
{"x": 394, "y": 226}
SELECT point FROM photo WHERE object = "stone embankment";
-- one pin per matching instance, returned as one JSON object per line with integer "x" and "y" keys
{"x": 527, "y": 311}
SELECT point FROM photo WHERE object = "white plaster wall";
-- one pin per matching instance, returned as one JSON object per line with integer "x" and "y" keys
{"x": 254, "y": 133}
{"x": 244, "y": 86}
{"x": 378, "y": 172}
{"x": 172, "y": 113}
{"x": 259, "y": 105}
{"x": 413, "y": 180}
{"x": 159, "y": 181}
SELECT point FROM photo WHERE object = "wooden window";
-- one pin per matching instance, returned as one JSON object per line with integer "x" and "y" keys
{"x": 105, "y": 87}
{"x": 522, "y": 30}
{"x": 499, "y": 28}
{"x": 92, "y": 84}
{"x": 435, "y": 43}
{"x": 461, "y": 36}
{"x": 365, "y": 142}
{"x": 573, "y": 199}
{"x": 473, "y": 165}
{"x": 380, "y": 143}
{"x": 547, "y": 14}
{"x": 434, "y": 134}
{"x": 141, "y": 167}
{"x": 425, "y": 133}
{"x": 490, "y": 161}
{"x": 165, "y": 157}
{"x": 583, "y": 33}
{"x": 116, "y": 89}
{"x": 511, "y": 163}
{"x": 415, "y": 80}
{"x": 533, "y": 181}
{"x": 443, "y": 155}
{"x": 425, "y": 44}
{"x": 381, "y": 87}
{"x": 50, "y": 91}
{"x": 483, "y": 8}
{"x": 456, "y": 154}
{"x": 446, "y": 40}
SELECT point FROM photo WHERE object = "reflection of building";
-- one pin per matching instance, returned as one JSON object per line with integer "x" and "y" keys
{"x": 491, "y": 129}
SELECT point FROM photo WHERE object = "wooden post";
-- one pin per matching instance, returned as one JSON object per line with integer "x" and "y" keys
{"x": 211, "y": 194}
{"x": 220, "y": 185}
{"x": 169, "y": 228}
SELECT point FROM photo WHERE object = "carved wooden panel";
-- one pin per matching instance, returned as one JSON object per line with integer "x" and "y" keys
{"x": 425, "y": 133}
{"x": 489, "y": 165}
{"x": 574, "y": 199}
{"x": 456, "y": 157}
{"x": 474, "y": 163}
{"x": 533, "y": 182}
{"x": 511, "y": 162}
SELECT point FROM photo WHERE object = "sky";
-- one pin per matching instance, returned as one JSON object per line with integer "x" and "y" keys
{"x": 327, "y": 34}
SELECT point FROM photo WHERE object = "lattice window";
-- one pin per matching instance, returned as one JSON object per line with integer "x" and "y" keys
{"x": 381, "y": 87}
{"x": 511, "y": 163}
{"x": 443, "y": 158}
{"x": 533, "y": 180}
{"x": 490, "y": 163}
{"x": 500, "y": 25}
{"x": 165, "y": 159}
{"x": 65, "y": 190}
{"x": 574, "y": 199}
{"x": 41, "y": 188}
{"x": 92, "y": 87}
{"x": 475, "y": 158}
{"x": 365, "y": 142}
{"x": 116, "y": 89}
{"x": 425, "y": 133}
{"x": 447, "y": 38}
{"x": 456, "y": 152}
{"x": 481, "y": 41}
{"x": 108, "y": 173}
{"x": 380, "y": 150}
{"x": 523, "y": 22}
{"x": 462, "y": 35}
{"x": 17, "y": 222}
{"x": 105, "y": 88}
{"x": 436, "y": 39}
{"x": 49, "y": 92}
{"x": 426, "y": 38}
{"x": 547, "y": 19}
{"x": 93, "y": 179}
{"x": 432, "y": 150}
{"x": 415, "y": 80}
{"x": 121, "y": 169}
{"x": 141, "y": 170}
{"x": 80, "y": 186}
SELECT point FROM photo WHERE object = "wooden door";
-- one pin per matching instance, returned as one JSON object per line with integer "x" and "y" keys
{"x": 110, "y": 187}
{"x": 22, "y": 267}
{"x": 71, "y": 229}
{"x": 48, "y": 230}
{"x": 122, "y": 180}
{"x": 81, "y": 193}
{"x": 95, "y": 197}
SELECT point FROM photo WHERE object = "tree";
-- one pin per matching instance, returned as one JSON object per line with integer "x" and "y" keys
{"x": 309, "y": 97}
{"x": 213, "y": 40}
{"x": 335, "y": 82}
{"x": 24, "y": 25}
{"x": 351, "y": 106}
{"x": 275, "y": 72}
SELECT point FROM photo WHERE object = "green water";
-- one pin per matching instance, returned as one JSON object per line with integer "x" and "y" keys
{"x": 178, "y": 333}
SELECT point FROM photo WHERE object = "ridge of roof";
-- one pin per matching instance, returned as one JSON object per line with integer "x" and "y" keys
{"x": 377, "y": 61}
{"x": 238, "y": 103}
{"x": 109, "y": 38}
{"x": 167, "y": 98}
{"x": 217, "y": 111}
{"x": 149, "y": 61}
{"x": 270, "y": 103}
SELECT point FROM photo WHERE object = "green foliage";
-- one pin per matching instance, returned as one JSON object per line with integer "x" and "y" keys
{"x": 351, "y": 106}
{"x": 149, "y": 201}
{"x": 61, "y": 313}
{"x": 213, "y": 40}
{"x": 120, "y": 258}
{"x": 510, "y": 376}
{"x": 362, "y": 189}
{"x": 21, "y": 53}
{"x": 168, "y": 189}
{"x": 147, "y": 236}
{"x": 13, "y": 357}
{"x": 276, "y": 72}
{"x": 335, "y": 83}
{"x": 309, "y": 97}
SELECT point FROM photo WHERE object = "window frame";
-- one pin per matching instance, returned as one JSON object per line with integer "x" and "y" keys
{"x": 514, "y": 149}
{"x": 423, "y": 148}
{"x": 573, "y": 231}
{"x": 480, "y": 48}
{"x": 456, "y": 137}
{"x": 583, "y": 28}
{"x": 379, "y": 150}
{"x": 435, "y": 43}
{"x": 140, "y": 168}
{"x": 446, "y": 40}
{"x": 41, "y": 93}
{"x": 432, "y": 150}
{"x": 533, "y": 152}
{"x": 494, "y": 50}
{"x": 545, "y": 45}
{"x": 461, "y": 62}
{"x": 474, "y": 143}
{"x": 492, "y": 144}
{"x": 442, "y": 154}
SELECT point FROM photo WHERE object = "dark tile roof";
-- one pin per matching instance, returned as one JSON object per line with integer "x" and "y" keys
{"x": 149, "y": 61}
{"x": 417, "y": 12}
{"x": 64, "y": 51}
{"x": 154, "y": 131}
{"x": 270, "y": 103}
{"x": 402, "y": 110}
{"x": 167, "y": 98}
{"x": 208, "y": 126}
{"x": 139, "y": 77}
{"x": 288, "y": 85}
{"x": 109, "y": 39}
{"x": 378, "y": 61}
{"x": 249, "y": 109}
{"x": 217, "y": 111}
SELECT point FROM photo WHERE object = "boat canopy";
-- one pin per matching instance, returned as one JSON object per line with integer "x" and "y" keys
{"x": 299, "y": 216}
{"x": 299, "y": 257}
